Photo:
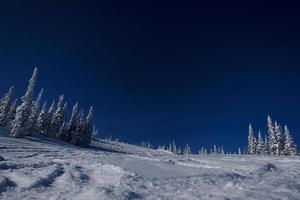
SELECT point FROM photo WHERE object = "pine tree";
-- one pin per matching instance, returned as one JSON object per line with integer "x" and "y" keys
{"x": 187, "y": 150}
{"x": 48, "y": 119}
{"x": 41, "y": 121}
{"x": 251, "y": 141}
{"x": 169, "y": 148}
{"x": 77, "y": 136}
{"x": 12, "y": 111}
{"x": 272, "y": 138}
{"x": 174, "y": 148}
{"x": 21, "y": 123}
{"x": 202, "y": 151}
{"x": 5, "y": 105}
{"x": 88, "y": 130}
{"x": 289, "y": 145}
{"x": 95, "y": 133}
{"x": 215, "y": 149}
{"x": 278, "y": 136}
{"x": 180, "y": 151}
{"x": 35, "y": 113}
{"x": 266, "y": 145}
{"x": 222, "y": 151}
{"x": 62, "y": 130}
{"x": 260, "y": 148}
{"x": 72, "y": 125}
{"x": 239, "y": 151}
{"x": 58, "y": 117}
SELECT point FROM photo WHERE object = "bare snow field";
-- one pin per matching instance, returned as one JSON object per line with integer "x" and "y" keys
{"x": 42, "y": 168}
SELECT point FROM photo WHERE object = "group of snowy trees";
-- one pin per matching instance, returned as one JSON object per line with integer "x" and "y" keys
{"x": 214, "y": 150}
{"x": 176, "y": 149}
{"x": 28, "y": 118}
{"x": 278, "y": 141}
{"x": 187, "y": 149}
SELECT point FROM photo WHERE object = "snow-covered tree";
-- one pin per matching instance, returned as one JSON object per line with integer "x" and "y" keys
{"x": 35, "y": 113}
{"x": 88, "y": 130}
{"x": 272, "y": 141}
{"x": 48, "y": 119}
{"x": 12, "y": 111}
{"x": 289, "y": 145}
{"x": 266, "y": 145}
{"x": 169, "y": 148}
{"x": 215, "y": 149}
{"x": 260, "y": 147}
{"x": 95, "y": 133}
{"x": 21, "y": 123}
{"x": 251, "y": 141}
{"x": 187, "y": 150}
{"x": 72, "y": 125}
{"x": 5, "y": 105}
{"x": 239, "y": 151}
{"x": 77, "y": 136}
{"x": 278, "y": 137}
{"x": 62, "y": 130}
{"x": 201, "y": 152}
{"x": 222, "y": 151}
{"x": 179, "y": 151}
{"x": 58, "y": 117}
{"x": 41, "y": 121}
{"x": 174, "y": 148}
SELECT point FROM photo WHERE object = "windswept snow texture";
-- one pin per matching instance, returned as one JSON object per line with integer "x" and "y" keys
{"x": 40, "y": 168}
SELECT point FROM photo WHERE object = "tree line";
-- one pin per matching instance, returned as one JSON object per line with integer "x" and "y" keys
{"x": 279, "y": 141}
{"x": 28, "y": 118}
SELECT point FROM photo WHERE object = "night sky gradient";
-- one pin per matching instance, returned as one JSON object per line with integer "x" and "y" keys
{"x": 187, "y": 71}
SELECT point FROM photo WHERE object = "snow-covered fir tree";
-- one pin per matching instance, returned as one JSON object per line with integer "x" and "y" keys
{"x": 48, "y": 119}
{"x": 41, "y": 121}
{"x": 179, "y": 151}
{"x": 239, "y": 151}
{"x": 62, "y": 130}
{"x": 95, "y": 133}
{"x": 21, "y": 123}
{"x": 251, "y": 141}
{"x": 260, "y": 147}
{"x": 278, "y": 137}
{"x": 35, "y": 113}
{"x": 174, "y": 147}
{"x": 12, "y": 111}
{"x": 289, "y": 145}
{"x": 58, "y": 117}
{"x": 215, "y": 149}
{"x": 272, "y": 141}
{"x": 72, "y": 125}
{"x": 187, "y": 150}
{"x": 222, "y": 151}
{"x": 201, "y": 152}
{"x": 77, "y": 135}
{"x": 266, "y": 145}
{"x": 5, "y": 105}
{"x": 88, "y": 130}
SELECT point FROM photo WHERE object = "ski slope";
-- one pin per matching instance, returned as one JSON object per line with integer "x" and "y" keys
{"x": 42, "y": 168}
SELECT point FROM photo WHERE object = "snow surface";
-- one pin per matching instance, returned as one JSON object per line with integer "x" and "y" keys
{"x": 42, "y": 168}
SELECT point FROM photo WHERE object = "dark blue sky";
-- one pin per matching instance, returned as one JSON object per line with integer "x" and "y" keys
{"x": 185, "y": 71}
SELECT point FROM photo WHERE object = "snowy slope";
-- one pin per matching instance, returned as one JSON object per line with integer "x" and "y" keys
{"x": 42, "y": 168}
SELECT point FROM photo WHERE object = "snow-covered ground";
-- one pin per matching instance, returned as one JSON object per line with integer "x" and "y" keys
{"x": 42, "y": 168}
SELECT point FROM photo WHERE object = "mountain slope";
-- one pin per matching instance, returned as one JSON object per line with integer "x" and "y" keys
{"x": 42, "y": 168}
